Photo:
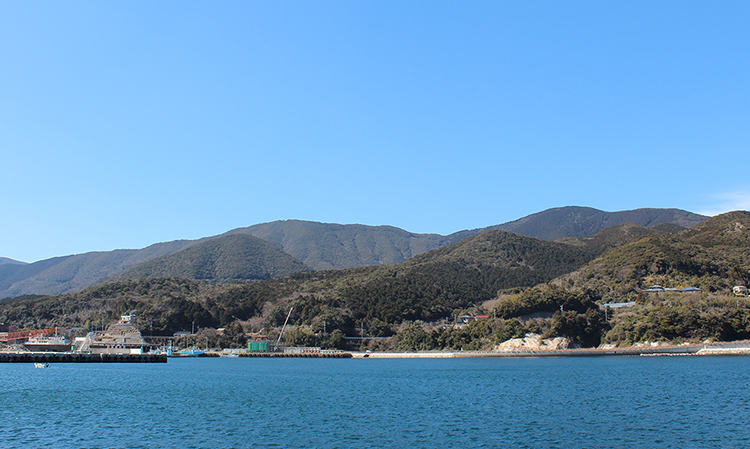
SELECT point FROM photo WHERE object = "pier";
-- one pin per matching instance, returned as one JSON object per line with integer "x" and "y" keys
{"x": 304, "y": 355}
{"x": 76, "y": 357}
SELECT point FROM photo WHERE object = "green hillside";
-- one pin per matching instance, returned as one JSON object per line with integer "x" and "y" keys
{"x": 526, "y": 284}
{"x": 432, "y": 285}
{"x": 426, "y": 287}
{"x": 231, "y": 258}
{"x": 168, "y": 304}
{"x": 728, "y": 230}
{"x": 327, "y": 246}
{"x": 666, "y": 228}
{"x": 713, "y": 256}
{"x": 609, "y": 237}
{"x": 572, "y": 221}
{"x": 70, "y": 273}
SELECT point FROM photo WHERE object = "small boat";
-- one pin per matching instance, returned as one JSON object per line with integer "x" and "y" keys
{"x": 41, "y": 365}
{"x": 191, "y": 352}
{"x": 164, "y": 350}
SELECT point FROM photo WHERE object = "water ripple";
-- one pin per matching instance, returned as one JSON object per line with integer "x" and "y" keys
{"x": 473, "y": 403}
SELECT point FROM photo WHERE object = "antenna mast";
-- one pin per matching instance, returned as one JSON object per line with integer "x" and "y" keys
{"x": 284, "y": 327}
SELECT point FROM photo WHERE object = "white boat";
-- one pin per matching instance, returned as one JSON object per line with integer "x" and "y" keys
{"x": 191, "y": 352}
{"x": 48, "y": 343}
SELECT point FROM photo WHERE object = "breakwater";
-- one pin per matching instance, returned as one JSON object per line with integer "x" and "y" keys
{"x": 75, "y": 357}
{"x": 662, "y": 350}
{"x": 303, "y": 355}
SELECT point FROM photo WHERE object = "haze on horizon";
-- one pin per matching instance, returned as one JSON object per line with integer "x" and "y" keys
{"x": 128, "y": 124}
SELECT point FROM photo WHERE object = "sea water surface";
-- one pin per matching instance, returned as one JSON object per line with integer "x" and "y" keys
{"x": 566, "y": 402}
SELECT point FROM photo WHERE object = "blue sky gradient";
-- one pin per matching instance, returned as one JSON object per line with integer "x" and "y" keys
{"x": 130, "y": 123}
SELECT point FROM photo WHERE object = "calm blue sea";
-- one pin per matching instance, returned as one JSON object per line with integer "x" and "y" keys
{"x": 606, "y": 402}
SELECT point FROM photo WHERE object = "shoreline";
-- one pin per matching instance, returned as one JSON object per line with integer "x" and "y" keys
{"x": 713, "y": 349}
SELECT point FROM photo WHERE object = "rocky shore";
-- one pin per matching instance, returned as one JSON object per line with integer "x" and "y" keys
{"x": 533, "y": 346}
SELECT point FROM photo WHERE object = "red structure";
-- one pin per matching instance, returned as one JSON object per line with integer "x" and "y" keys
{"x": 6, "y": 337}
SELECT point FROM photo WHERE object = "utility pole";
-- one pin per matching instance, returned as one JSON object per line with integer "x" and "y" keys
{"x": 284, "y": 327}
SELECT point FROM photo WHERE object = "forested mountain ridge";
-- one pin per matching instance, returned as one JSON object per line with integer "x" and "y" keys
{"x": 576, "y": 221}
{"x": 328, "y": 246}
{"x": 731, "y": 229}
{"x": 427, "y": 287}
{"x": 325, "y": 246}
{"x": 523, "y": 278}
{"x": 321, "y": 246}
{"x": 70, "y": 273}
{"x": 432, "y": 285}
{"x": 616, "y": 235}
{"x": 230, "y": 258}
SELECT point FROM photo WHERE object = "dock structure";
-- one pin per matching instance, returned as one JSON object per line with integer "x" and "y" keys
{"x": 304, "y": 355}
{"x": 76, "y": 357}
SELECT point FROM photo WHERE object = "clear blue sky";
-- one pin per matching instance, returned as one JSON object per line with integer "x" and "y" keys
{"x": 129, "y": 123}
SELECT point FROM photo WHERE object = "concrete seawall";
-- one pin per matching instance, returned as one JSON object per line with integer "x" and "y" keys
{"x": 74, "y": 357}
{"x": 672, "y": 350}
{"x": 735, "y": 348}
{"x": 304, "y": 355}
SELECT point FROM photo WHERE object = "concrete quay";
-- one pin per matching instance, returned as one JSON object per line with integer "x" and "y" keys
{"x": 304, "y": 355}
{"x": 76, "y": 357}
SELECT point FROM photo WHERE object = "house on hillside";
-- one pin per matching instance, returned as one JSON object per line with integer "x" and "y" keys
{"x": 660, "y": 289}
{"x": 617, "y": 305}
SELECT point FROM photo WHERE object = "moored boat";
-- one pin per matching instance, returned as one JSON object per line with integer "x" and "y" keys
{"x": 48, "y": 343}
{"x": 191, "y": 352}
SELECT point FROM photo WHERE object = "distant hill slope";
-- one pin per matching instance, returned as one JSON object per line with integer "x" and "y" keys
{"x": 326, "y": 246}
{"x": 731, "y": 229}
{"x": 375, "y": 301}
{"x": 428, "y": 286}
{"x": 714, "y": 256}
{"x": 70, "y": 273}
{"x": 6, "y": 261}
{"x": 575, "y": 221}
{"x": 231, "y": 258}
{"x": 617, "y": 235}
